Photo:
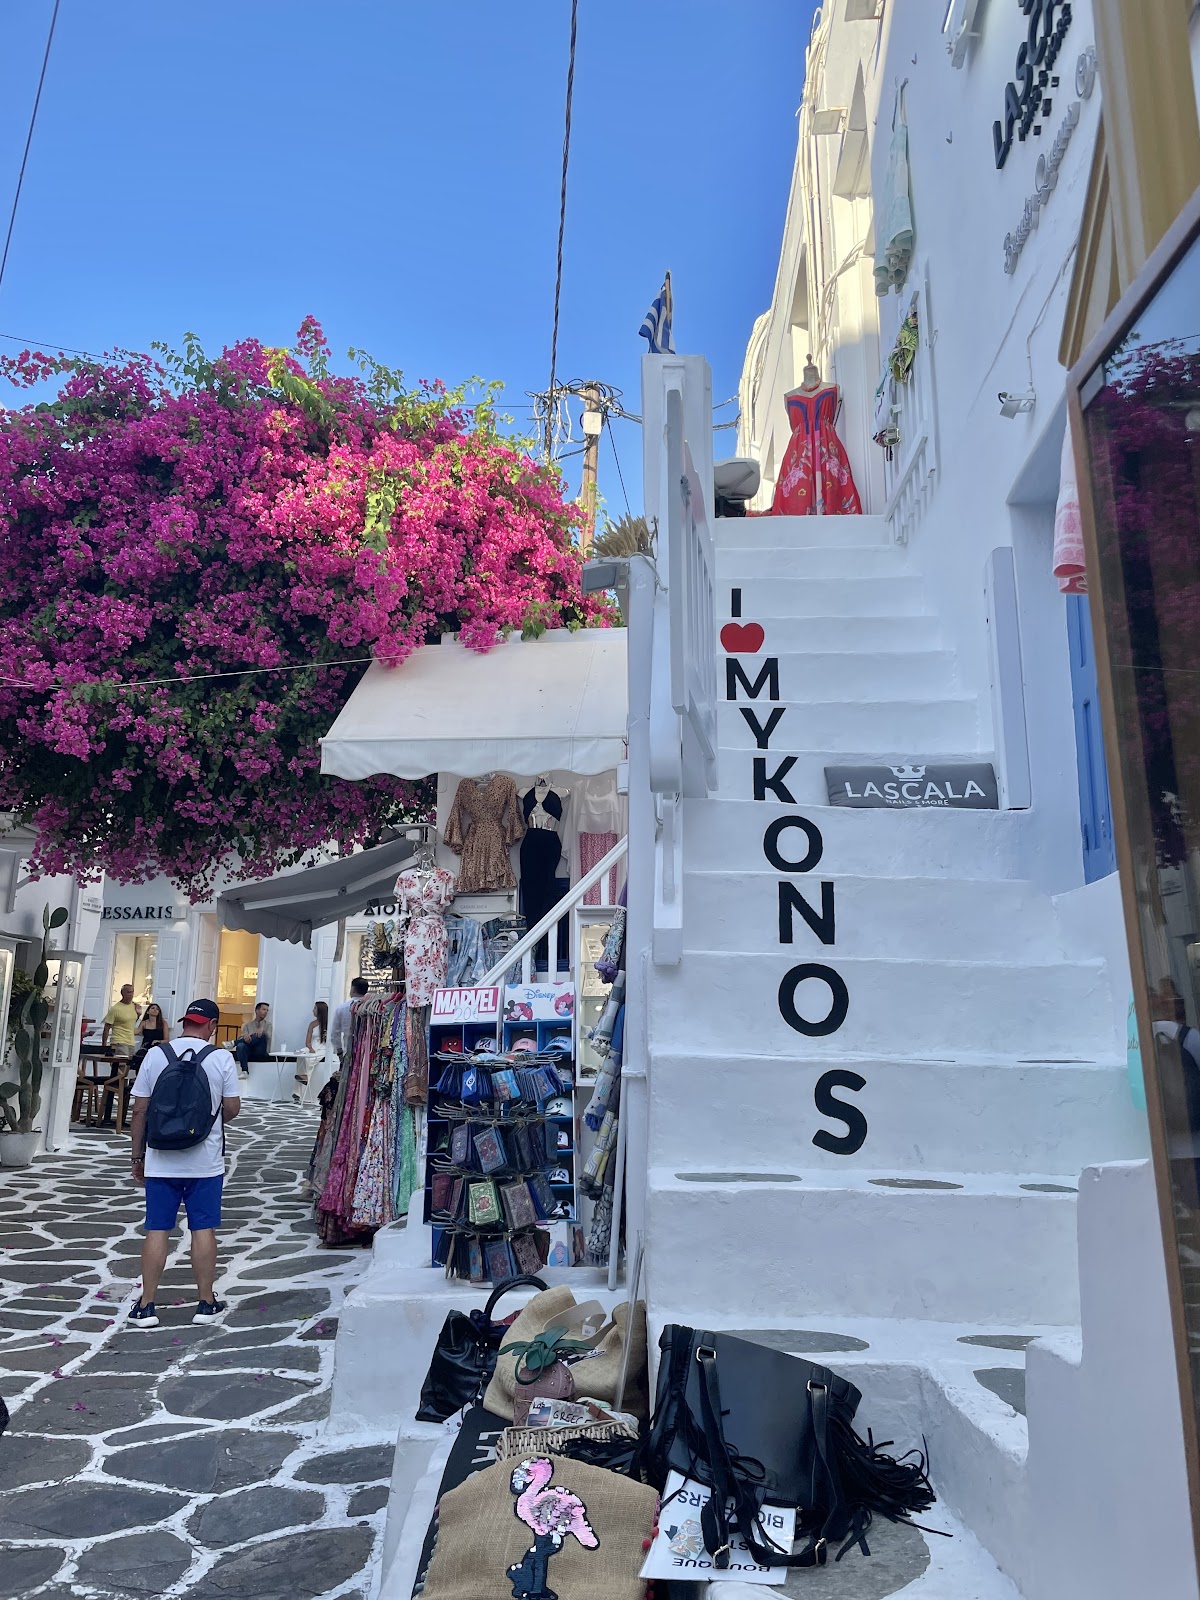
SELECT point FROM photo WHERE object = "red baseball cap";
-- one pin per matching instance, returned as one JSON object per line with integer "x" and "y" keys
{"x": 202, "y": 1011}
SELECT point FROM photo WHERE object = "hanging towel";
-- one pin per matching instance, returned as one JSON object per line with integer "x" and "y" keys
{"x": 1069, "y": 566}
{"x": 894, "y": 222}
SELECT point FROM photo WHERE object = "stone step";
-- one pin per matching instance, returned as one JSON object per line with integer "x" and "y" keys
{"x": 804, "y": 779}
{"x": 807, "y": 1243}
{"x": 769, "y": 598}
{"x": 727, "y": 834}
{"x": 936, "y": 919}
{"x": 986, "y": 1114}
{"x": 737, "y": 566}
{"x": 1043, "y": 1010}
{"x": 951, "y": 722}
{"x": 880, "y": 676}
{"x": 749, "y": 533}
{"x": 808, "y": 632}
{"x": 937, "y": 1387}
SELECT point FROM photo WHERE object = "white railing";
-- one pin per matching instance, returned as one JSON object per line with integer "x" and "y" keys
{"x": 547, "y": 928}
{"x": 682, "y": 664}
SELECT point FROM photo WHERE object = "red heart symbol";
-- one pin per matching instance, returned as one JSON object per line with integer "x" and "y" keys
{"x": 742, "y": 638}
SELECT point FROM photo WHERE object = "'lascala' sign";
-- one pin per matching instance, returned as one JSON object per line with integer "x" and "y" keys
{"x": 969, "y": 786}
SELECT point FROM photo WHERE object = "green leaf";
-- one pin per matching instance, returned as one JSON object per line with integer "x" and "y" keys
{"x": 42, "y": 976}
{"x": 59, "y": 917}
{"x": 8, "y": 1089}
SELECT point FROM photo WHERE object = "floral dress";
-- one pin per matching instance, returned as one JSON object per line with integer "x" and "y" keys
{"x": 422, "y": 898}
{"x": 484, "y": 821}
{"x": 815, "y": 476}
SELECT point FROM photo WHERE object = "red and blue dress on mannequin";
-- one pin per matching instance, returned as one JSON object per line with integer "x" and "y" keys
{"x": 815, "y": 478}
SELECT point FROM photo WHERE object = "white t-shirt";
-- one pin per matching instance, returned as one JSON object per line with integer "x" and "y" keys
{"x": 202, "y": 1160}
{"x": 339, "y": 1029}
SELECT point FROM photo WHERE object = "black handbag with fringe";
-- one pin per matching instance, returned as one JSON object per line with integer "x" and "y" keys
{"x": 761, "y": 1427}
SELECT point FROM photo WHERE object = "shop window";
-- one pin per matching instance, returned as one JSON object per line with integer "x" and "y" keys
{"x": 237, "y": 976}
{"x": 134, "y": 955}
{"x": 1141, "y": 414}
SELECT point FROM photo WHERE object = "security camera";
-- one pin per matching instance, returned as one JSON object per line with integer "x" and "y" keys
{"x": 1011, "y": 405}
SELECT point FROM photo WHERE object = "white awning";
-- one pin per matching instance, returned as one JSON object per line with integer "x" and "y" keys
{"x": 524, "y": 707}
{"x": 290, "y": 905}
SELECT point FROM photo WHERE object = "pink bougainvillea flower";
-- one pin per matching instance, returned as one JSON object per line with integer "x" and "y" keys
{"x": 179, "y": 528}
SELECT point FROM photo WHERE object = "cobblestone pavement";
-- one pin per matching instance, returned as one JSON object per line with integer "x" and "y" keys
{"x": 183, "y": 1461}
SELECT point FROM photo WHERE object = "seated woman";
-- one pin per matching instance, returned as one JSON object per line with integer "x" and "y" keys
{"x": 318, "y": 1028}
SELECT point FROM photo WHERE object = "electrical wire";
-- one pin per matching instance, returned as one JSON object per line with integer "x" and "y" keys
{"x": 49, "y": 344}
{"x": 197, "y": 677}
{"x": 612, "y": 439}
{"x": 562, "y": 221}
{"x": 37, "y": 100}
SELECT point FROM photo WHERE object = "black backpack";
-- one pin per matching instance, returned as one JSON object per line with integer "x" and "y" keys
{"x": 180, "y": 1114}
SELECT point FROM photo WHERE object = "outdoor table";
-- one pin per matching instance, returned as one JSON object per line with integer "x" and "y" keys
{"x": 270, "y": 1079}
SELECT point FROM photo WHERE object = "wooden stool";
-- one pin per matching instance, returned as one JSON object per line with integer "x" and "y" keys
{"x": 118, "y": 1086}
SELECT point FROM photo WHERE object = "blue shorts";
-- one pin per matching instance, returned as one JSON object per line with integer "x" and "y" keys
{"x": 200, "y": 1197}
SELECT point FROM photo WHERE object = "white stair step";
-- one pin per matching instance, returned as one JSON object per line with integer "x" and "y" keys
{"x": 933, "y": 1008}
{"x": 852, "y": 1245}
{"x": 767, "y": 597}
{"x": 804, "y": 779}
{"x": 808, "y": 632}
{"x": 920, "y": 1381}
{"x": 878, "y": 675}
{"x": 728, "y": 834}
{"x": 937, "y": 919}
{"x": 736, "y": 566}
{"x": 833, "y": 725}
{"x": 747, "y": 533}
{"x": 992, "y": 1115}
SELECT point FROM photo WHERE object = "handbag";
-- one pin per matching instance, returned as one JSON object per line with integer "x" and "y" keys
{"x": 597, "y": 1375}
{"x": 540, "y": 1525}
{"x": 761, "y": 1427}
{"x": 464, "y": 1356}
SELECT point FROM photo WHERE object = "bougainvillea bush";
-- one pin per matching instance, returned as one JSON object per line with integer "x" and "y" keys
{"x": 167, "y": 519}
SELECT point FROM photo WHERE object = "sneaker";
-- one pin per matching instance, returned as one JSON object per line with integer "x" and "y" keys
{"x": 141, "y": 1316}
{"x": 210, "y": 1311}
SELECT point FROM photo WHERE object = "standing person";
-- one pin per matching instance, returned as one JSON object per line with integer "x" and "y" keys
{"x": 255, "y": 1042}
{"x": 120, "y": 1025}
{"x": 179, "y": 1160}
{"x": 318, "y": 1028}
{"x": 339, "y": 1032}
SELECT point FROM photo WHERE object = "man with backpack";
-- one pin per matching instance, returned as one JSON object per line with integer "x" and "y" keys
{"x": 184, "y": 1094}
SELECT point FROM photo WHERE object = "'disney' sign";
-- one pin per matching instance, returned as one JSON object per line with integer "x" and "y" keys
{"x": 969, "y": 786}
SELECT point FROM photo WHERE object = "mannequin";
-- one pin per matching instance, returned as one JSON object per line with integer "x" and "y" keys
{"x": 422, "y": 894}
{"x": 541, "y": 849}
{"x": 815, "y": 477}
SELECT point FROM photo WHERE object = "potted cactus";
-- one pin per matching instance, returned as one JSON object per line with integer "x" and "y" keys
{"x": 21, "y": 1094}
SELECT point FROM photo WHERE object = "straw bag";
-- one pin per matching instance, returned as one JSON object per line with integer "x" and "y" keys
{"x": 542, "y": 1525}
{"x": 596, "y": 1371}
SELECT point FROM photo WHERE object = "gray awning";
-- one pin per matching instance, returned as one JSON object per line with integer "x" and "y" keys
{"x": 292, "y": 904}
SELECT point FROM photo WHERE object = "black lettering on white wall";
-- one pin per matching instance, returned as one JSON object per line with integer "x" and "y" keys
{"x": 773, "y": 853}
{"x": 821, "y": 922}
{"x": 768, "y": 675}
{"x": 827, "y": 1103}
{"x": 762, "y": 732}
{"x": 838, "y": 1000}
{"x": 774, "y": 780}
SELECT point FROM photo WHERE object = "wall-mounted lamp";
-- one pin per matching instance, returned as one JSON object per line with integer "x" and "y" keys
{"x": 1011, "y": 405}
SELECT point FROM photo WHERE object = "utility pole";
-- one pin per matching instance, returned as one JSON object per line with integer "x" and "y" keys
{"x": 593, "y": 422}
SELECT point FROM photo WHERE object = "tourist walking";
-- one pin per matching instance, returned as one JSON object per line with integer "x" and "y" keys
{"x": 120, "y": 1025}
{"x": 185, "y": 1093}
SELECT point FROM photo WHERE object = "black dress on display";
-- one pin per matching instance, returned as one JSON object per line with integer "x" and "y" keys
{"x": 541, "y": 887}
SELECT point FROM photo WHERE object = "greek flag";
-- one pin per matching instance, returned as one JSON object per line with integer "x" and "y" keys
{"x": 656, "y": 324}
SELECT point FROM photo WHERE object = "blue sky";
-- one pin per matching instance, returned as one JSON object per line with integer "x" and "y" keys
{"x": 228, "y": 166}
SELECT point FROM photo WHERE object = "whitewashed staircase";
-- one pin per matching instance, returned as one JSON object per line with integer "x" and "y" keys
{"x": 976, "y": 1066}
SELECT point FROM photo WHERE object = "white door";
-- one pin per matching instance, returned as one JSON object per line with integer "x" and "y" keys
{"x": 95, "y": 996}
{"x": 167, "y": 975}
{"x": 208, "y": 947}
